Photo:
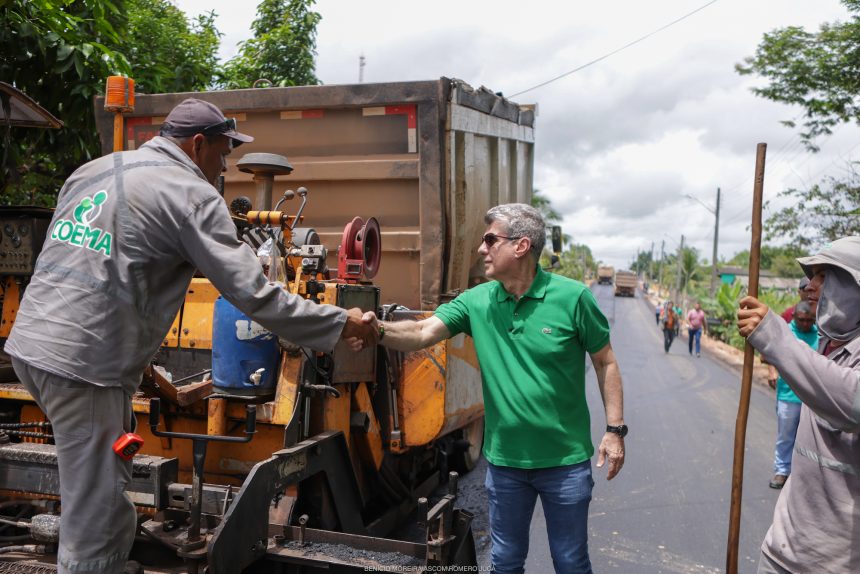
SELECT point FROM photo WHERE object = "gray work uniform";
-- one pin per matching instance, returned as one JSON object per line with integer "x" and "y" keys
{"x": 815, "y": 522}
{"x": 128, "y": 232}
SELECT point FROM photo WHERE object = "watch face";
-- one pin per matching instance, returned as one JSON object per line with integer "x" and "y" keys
{"x": 620, "y": 430}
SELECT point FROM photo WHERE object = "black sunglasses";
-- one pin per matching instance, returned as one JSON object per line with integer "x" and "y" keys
{"x": 220, "y": 128}
{"x": 491, "y": 238}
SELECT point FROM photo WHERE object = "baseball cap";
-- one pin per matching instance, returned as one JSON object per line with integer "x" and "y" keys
{"x": 194, "y": 116}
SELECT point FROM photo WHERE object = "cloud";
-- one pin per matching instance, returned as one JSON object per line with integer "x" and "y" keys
{"x": 619, "y": 143}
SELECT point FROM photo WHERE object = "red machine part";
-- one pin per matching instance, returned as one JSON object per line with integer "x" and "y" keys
{"x": 127, "y": 445}
{"x": 360, "y": 250}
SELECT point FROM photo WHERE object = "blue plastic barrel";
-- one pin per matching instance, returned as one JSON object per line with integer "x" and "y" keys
{"x": 240, "y": 348}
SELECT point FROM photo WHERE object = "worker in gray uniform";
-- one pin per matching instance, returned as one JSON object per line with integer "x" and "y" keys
{"x": 129, "y": 231}
{"x": 815, "y": 522}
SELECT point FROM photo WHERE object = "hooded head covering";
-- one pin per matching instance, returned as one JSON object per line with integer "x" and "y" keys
{"x": 838, "y": 314}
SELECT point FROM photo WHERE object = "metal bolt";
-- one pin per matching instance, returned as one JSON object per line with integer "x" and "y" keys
{"x": 303, "y": 519}
{"x": 175, "y": 330}
{"x": 191, "y": 344}
{"x": 185, "y": 331}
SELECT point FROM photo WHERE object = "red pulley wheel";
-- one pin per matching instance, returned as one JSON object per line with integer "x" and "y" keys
{"x": 348, "y": 247}
{"x": 369, "y": 244}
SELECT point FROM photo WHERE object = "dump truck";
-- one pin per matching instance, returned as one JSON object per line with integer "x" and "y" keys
{"x": 605, "y": 275}
{"x": 374, "y": 195}
{"x": 625, "y": 283}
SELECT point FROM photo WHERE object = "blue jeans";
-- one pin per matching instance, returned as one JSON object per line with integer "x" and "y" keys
{"x": 697, "y": 335}
{"x": 565, "y": 493}
{"x": 668, "y": 337}
{"x": 787, "y": 419}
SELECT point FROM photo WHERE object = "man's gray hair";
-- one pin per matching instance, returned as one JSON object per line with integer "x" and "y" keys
{"x": 802, "y": 307}
{"x": 520, "y": 220}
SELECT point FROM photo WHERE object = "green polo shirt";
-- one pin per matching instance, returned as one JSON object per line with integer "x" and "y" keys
{"x": 532, "y": 357}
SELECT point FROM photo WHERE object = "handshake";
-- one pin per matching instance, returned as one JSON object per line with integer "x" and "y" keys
{"x": 361, "y": 329}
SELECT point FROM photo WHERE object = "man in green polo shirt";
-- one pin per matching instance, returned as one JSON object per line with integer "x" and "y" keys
{"x": 531, "y": 331}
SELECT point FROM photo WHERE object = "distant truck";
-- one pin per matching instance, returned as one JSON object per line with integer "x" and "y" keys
{"x": 605, "y": 275}
{"x": 625, "y": 283}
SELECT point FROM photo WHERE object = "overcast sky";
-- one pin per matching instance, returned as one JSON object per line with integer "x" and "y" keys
{"x": 620, "y": 143}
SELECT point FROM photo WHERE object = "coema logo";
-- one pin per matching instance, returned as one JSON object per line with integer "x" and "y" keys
{"x": 80, "y": 232}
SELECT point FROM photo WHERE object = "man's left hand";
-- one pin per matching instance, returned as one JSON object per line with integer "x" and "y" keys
{"x": 751, "y": 313}
{"x": 611, "y": 447}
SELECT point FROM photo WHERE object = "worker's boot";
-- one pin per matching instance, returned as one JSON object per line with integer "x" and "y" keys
{"x": 778, "y": 481}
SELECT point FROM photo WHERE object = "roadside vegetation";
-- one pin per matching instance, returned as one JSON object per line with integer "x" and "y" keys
{"x": 61, "y": 52}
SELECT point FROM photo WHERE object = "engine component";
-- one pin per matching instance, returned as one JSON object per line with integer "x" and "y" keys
{"x": 22, "y": 233}
{"x": 360, "y": 250}
{"x": 264, "y": 167}
{"x": 240, "y": 206}
{"x": 150, "y": 475}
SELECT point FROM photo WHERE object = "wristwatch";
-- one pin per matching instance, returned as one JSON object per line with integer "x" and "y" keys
{"x": 620, "y": 430}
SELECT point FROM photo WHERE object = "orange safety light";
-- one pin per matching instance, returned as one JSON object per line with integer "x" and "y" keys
{"x": 119, "y": 99}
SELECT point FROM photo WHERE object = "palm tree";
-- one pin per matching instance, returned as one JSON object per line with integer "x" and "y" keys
{"x": 550, "y": 215}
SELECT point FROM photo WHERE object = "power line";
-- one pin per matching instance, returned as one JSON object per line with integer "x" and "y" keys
{"x": 612, "y": 53}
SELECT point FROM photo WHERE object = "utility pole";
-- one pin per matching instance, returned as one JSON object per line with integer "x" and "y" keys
{"x": 716, "y": 240}
{"x": 678, "y": 282}
{"x": 361, "y": 61}
{"x": 651, "y": 264}
{"x": 660, "y": 268}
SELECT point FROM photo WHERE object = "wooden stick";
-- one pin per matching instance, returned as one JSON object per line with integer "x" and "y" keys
{"x": 746, "y": 379}
{"x": 118, "y": 136}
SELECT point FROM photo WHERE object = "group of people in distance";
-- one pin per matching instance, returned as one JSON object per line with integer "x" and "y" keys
{"x": 668, "y": 316}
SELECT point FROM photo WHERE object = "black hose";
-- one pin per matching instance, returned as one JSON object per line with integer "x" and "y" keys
{"x": 17, "y": 538}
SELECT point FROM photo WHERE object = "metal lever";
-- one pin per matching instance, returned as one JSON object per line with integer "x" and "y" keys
{"x": 303, "y": 193}
{"x": 194, "y": 541}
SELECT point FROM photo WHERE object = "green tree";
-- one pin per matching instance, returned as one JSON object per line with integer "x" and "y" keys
{"x": 282, "y": 49}
{"x": 642, "y": 264}
{"x": 59, "y": 54}
{"x": 575, "y": 262}
{"x": 690, "y": 269}
{"x": 542, "y": 203}
{"x": 166, "y": 51}
{"x": 781, "y": 261}
{"x": 815, "y": 70}
{"x": 824, "y": 212}
{"x": 550, "y": 215}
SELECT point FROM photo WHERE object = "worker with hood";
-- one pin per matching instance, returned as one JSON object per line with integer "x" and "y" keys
{"x": 816, "y": 519}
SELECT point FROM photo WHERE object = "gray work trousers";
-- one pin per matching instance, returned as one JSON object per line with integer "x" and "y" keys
{"x": 98, "y": 521}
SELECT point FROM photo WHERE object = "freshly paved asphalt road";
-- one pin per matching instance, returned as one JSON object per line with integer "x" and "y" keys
{"x": 667, "y": 511}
